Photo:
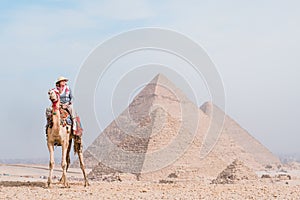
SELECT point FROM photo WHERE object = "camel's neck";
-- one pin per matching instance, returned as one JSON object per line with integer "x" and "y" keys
{"x": 55, "y": 115}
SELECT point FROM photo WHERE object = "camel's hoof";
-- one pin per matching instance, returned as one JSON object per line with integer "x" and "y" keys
{"x": 86, "y": 184}
{"x": 66, "y": 185}
{"x": 49, "y": 185}
{"x": 60, "y": 181}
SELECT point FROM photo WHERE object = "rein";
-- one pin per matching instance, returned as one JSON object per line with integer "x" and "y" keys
{"x": 57, "y": 109}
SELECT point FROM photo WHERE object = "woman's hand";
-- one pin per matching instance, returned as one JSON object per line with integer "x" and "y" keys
{"x": 65, "y": 105}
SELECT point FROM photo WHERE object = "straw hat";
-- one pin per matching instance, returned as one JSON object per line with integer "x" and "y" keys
{"x": 61, "y": 78}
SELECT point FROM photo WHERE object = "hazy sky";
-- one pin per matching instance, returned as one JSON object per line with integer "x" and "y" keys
{"x": 254, "y": 44}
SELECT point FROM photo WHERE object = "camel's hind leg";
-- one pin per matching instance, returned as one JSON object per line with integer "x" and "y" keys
{"x": 68, "y": 154}
{"x": 80, "y": 156}
{"x": 64, "y": 164}
{"x": 78, "y": 150}
{"x": 51, "y": 163}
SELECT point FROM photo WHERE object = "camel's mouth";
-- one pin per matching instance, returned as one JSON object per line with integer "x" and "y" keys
{"x": 52, "y": 96}
{"x": 53, "y": 99}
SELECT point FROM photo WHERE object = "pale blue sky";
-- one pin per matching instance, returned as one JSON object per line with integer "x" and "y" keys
{"x": 254, "y": 44}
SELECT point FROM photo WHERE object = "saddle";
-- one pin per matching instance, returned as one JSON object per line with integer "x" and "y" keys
{"x": 66, "y": 119}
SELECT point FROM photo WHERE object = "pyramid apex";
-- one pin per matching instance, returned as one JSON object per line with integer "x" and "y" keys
{"x": 206, "y": 106}
{"x": 209, "y": 106}
{"x": 163, "y": 86}
{"x": 158, "y": 78}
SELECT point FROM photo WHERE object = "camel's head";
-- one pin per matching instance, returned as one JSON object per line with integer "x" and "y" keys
{"x": 53, "y": 95}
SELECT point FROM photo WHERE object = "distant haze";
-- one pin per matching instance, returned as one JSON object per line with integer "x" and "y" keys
{"x": 255, "y": 46}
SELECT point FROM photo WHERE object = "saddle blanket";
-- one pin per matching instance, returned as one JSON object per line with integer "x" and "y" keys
{"x": 68, "y": 121}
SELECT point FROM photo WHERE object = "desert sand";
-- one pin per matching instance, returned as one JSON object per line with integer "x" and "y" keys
{"x": 29, "y": 182}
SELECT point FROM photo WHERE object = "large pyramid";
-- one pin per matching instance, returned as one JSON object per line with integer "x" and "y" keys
{"x": 162, "y": 132}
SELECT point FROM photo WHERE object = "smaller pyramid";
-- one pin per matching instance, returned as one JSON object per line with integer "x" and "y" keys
{"x": 236, "y": 143}
{"x": 235, "y": 172}
{"x": 294, "y": 165}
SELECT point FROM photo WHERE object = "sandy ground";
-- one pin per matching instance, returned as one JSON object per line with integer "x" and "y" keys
{"x": 29, "y": 181}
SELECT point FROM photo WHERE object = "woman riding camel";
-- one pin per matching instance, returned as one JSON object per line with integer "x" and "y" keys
{"x": 66, "y": 98}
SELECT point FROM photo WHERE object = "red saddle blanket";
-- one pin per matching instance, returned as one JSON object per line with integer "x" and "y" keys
{"x": 79, "y": 129}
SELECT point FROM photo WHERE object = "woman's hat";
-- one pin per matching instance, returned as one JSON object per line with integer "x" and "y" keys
{"x": 61, "y": 78}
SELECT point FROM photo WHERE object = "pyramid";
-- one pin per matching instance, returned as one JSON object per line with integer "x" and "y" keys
{"x": 150, "y": 134}
{"x": 235, "y": 172}
{"x": 246, "y": 148}
{"x": 162, "y": 132}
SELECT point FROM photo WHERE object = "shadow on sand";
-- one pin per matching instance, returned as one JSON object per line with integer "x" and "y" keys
{"x": 20, "y": 183}
{"x": 34, "y": 184}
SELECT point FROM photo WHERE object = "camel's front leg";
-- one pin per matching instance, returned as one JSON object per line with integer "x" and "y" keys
{"x": 51, "y": 163}
{"x": 64, "y": 164}
{"x": 67, "y": 159}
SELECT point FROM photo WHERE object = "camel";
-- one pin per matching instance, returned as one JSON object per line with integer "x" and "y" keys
{"x": 61, "y": 134}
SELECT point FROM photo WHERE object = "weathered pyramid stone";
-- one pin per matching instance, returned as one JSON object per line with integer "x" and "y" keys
{"x": 151, "y": 133}
{"x": 234, "y": 173}
{"x": 162, "y": 132}
{"x": 155, "y": 129}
